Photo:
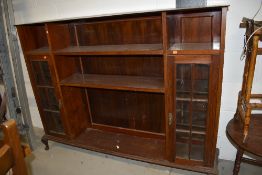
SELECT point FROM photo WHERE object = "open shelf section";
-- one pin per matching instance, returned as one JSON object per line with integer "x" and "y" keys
{"x": 195, "y": 48}
{"x": 134, "y": 49}
{"x": 116, "y": 82}
{"x": 39, "y": 51}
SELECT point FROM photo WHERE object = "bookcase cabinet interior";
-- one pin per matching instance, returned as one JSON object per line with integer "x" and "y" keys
{"x": 144, "y": 86}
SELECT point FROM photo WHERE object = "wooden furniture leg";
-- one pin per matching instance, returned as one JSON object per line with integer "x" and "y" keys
{"x": 45, "y": 142}
{"x": 238, "y": 161}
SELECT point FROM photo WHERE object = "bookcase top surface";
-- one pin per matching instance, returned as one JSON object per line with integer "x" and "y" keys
{"x": 209, "y": 7}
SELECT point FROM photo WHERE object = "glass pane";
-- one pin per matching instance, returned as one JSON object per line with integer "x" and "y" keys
{"x": 53, "y": 122}
{"x": 48, "y": 98}
{"x": 41, "y": 73}
{"x": 182, "y": 144}
{"x": 191, "y": 109}
{"x": 197, "y": 148}
{"x": 199, "y": 114}
{"x": 183, "y": 78}
{"x": 201, "y": 77}
{"x": 183, "y": 113}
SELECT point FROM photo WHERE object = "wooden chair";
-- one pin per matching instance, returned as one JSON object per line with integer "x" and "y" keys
{"x": 245, "y": 130}
{"x": 11, "y": 154}
{"x": 246, "y": 100}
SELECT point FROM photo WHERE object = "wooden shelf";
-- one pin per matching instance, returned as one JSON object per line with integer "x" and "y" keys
{"x": 194, "y": 127}
{"x": 51, "y": 110}
{"x": 195, "y": 48}
{"x": 134, "y": 49}
{"x": 119, "y": 144}
{"x": 45, "y": 86}
{"x": 193, "y": 131}
{"x": 39, "y": 51}
{"x": 192, "y": 99}
{"x": 116, "y": 82}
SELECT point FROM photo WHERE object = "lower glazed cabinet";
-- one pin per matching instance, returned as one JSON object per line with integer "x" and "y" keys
{"x": 143, "y": 86}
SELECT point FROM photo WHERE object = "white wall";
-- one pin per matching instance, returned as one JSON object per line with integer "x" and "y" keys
{"x": 36, "y": 10}
{"x": 233, "y": 69}
{"x": 29, "y": 11}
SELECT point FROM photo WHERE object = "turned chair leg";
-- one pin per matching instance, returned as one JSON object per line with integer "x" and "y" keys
{"x": 238, "y": 161}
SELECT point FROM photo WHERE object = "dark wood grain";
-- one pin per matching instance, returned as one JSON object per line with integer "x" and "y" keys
{"x": 117, "y": 82}
{"x": 77, "y": 111}
{"x": 39, "y": 51}
{"x": 128, "y": 49}
{"x": 130, "y": 65}
{"x": 33, "y": 37}
{"x": 135, "y": 110}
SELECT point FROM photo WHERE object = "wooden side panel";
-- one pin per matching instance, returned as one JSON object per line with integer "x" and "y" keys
{"x": 124, "y": 65}
{"x": 201, "y": 32}
{"x": 196, "y": 27}
{"x": 58, "y": 32}
{"x": 67, "y": 66}
{"x": 135, "y": 31}
{"x": 76, "y": 108}
{"x": 32, "y": 36}
{"x": 214, "y": 106}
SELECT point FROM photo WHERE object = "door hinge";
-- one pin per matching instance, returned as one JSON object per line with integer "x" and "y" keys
{"x": 170, "y": 119}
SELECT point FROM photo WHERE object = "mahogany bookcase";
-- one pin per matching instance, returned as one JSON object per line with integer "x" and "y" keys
{"x": 144, "y": 86}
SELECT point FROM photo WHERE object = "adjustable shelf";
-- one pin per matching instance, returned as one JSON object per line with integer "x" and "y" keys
{"x": 132, "y": 49}
{"x": 45, "y": 86}
{"x": 199, "y": 99}
{"x": 116, "y": 82}
{"x": 195, "y": 48}
{"x": 51, "y": 110}
{"x": 39, "y": 51}
{"x": 192, "y": 131}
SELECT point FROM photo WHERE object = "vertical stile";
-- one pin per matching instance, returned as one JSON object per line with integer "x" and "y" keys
{"x": 55, "y": 78}
{"x": 191, "y": 109}
{"x": 168, "y": 92}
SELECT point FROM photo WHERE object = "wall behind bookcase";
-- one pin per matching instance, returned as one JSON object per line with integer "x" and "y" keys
{"x": 28, "y": 11}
